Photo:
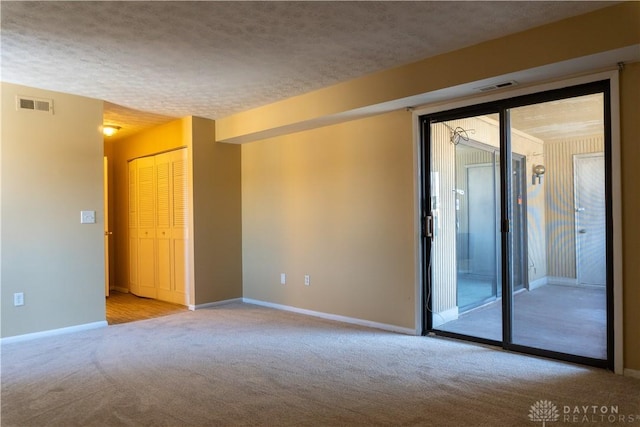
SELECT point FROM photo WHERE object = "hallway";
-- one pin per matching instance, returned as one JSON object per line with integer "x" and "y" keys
{"x": 125, "y": 307}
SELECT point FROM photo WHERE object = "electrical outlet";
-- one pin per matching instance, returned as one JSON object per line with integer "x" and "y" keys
{"x": 283, "y": 278}
{"x": 307, "y": 280}
{"x": 18, "y": 299}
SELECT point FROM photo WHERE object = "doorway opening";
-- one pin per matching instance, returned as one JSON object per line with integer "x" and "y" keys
{"x": 518, "y": 251}
{"x": 126, "y": 307}
{"x": 154, "y": 226}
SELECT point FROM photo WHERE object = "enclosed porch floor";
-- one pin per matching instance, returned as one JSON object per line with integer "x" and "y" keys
{"x": 566, "y": 319}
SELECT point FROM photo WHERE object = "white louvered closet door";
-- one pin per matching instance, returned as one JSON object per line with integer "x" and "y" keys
{"x": 171, "y": 229}
{"x": 133, "y": 227}
{"x": 163, "y": 224}
{"x": 159, "y": 239}
{"x": 179, "y": 226}
{"x": 146, "y": 228}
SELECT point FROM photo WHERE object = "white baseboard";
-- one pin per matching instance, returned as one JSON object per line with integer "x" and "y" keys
{"x": 538, "y": 282}
{"x": 54, "y": 332}
{"x": 328, "y": 316}
{"x": 445, "y": 316}
{"x": 193, "y": 307}
{"x": 559, "y": 281}
{"x": 566, "y": 281}
{"x": 632, "y": 373}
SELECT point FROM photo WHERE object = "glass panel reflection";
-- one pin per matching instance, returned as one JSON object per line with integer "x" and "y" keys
{"x": 466, "y": 243}
{"x": 562, "y": 308}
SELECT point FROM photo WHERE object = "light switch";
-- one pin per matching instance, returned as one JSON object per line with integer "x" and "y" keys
{"x": 87, "y": 217}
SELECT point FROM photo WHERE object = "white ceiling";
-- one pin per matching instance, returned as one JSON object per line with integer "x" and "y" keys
{"x": 152, "y": 61}
{"x": 581, "y": 116}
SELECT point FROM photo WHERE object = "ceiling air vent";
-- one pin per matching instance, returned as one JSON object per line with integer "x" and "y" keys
{"x": 498, "y": 86}
{"x": 34, "y": 104}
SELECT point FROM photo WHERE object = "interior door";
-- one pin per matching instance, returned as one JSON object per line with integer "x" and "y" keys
{"x": 158, "y": 226}
{"x": 482, "y": 219}
{"x": 133, "y": 227}
{"x": 146, "y": 241}
{"x": 180, "y": 225}
{"x": 590, "y": 218}
{"x": 163, "y": 224}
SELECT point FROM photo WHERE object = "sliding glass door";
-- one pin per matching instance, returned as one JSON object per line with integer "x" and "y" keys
{"x": 465, "y": 244}
{"x": 516, "y": 249}
{"x": 564, "y": 308}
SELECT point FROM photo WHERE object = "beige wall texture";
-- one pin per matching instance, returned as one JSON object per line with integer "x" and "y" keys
{"x": 630, "y": 130}
{"x": 217, "y": 216}
{"x": 335, "y": 203}
{"x": 51, "y": 170}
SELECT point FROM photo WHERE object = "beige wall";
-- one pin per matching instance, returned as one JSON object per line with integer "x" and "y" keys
{"x": 51, "y": 170}
{"x": 630, "y": 129}
{"x": 335, "y": 203}
{"x": 217, "y": 216}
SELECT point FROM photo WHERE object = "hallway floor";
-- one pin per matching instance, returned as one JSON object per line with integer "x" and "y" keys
{"x": 124, "y": 307}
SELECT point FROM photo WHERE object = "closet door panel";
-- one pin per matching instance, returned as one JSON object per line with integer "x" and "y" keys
{"x": 146, "y": 228}
{"x": 146, "y": 270}
{"x": 180, "y": 269}
{"x": 133, "y": 226}
{"x": 179, "y": 229}
{"x": 158, "y": 233}
{"x": 163, "y": 192}
{"x": 163, "y": 223}
{"x": 164, "y": 264}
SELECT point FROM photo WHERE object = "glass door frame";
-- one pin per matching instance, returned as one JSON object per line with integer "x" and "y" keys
{"x": 502, "y": 107}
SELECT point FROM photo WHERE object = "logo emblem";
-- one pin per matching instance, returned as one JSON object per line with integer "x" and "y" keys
{"x": 545, "y": 411}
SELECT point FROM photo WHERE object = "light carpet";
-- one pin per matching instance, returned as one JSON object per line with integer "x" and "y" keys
{"x": 244, "y": 365}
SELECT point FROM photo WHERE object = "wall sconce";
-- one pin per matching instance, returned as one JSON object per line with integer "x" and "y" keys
{"x": 110, "y": 130}
{"x": 538, "y": 171}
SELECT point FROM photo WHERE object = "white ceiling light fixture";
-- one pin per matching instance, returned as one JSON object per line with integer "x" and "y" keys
{"x": 110, "y": 130}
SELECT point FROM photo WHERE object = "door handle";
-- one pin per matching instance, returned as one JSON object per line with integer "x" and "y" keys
{"x": 582, "y": 231}
{"x": 428, "y": 229}
{"x": 108, "y": 233}
{"x": 580, "y": 209}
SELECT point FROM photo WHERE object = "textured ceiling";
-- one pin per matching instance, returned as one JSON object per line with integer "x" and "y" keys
{"x": 581, "y": 116}
{"x": 155, "y": 60}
